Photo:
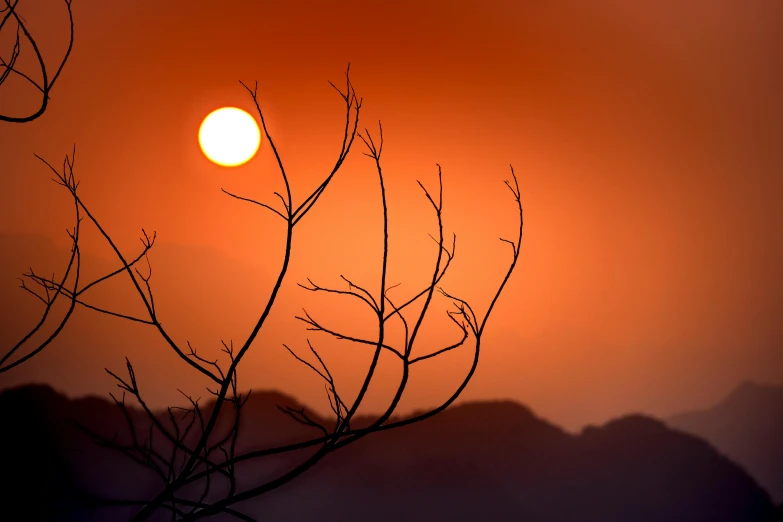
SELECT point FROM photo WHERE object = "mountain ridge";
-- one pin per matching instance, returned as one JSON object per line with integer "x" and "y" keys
{"x": 747, "y": 426}
{"x": 490, "y": 460}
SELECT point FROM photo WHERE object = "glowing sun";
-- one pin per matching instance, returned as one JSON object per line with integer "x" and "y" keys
{"x": 229, "y": 136}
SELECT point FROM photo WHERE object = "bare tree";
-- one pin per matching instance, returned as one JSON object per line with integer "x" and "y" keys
{"x": 192, "y": 453}
{"x": 13, "y": 21}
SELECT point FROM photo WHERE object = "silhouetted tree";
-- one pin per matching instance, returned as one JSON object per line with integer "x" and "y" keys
{"x": 193, "y": 454}
{"x": 12, "y": 20}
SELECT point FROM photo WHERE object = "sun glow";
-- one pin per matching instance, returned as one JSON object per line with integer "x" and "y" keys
{"x": 229, "y": 136}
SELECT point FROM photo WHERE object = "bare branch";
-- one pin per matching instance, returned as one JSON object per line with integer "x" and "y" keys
{"x": 450, "y": 347}
{"x": 224, "y": 384}
{"x": 198, "y": 460}
{"x": 317, "y": 327}
{"x": 257, "y": 203}
{"x": 9, "y": 67}
{"x": 351, "y": 102}
{"x": 74, "y": 264}
{"x": 364, "y": 296}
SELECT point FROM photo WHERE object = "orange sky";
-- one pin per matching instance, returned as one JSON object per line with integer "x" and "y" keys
{"x": 646, "y": 137}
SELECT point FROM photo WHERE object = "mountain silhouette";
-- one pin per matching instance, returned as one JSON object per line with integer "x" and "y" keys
{"x": 747, "y": 426}
{"x": 475, "y": 461}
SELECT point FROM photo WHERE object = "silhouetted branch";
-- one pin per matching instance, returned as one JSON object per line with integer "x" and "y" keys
{"x": 257, "y": 203}
{"x": 301, "y": 417}
{"x": 315, "y": 326}
{"x": 12, "y": 18}
{"x": 463, "y": 317}
{"x": 52, "y": 289}
{"x": 226, "y": 378}
{"x": 197, "y": 465}
{"x": 131, "y": 386}
{"x": 147, "y": 300}
{"x": 364, "y": 295}
{"x": 335, "y": 402}
{"x": 349, "y": 133}
{"x": 451, "y": 346}
{"x": 425, "y": 290}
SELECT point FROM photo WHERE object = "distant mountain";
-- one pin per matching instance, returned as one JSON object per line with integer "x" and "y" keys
{"x": 747, "y": 426}
{"x": 489, "y": 461}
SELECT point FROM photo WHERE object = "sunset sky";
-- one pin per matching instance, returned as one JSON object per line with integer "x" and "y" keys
{"x": 646, "y": 137}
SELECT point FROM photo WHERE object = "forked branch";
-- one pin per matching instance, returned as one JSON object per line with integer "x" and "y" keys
{"x": 12, "y": 21}
{"x": 193, "y": 457}
{"x": 53, "y": 289}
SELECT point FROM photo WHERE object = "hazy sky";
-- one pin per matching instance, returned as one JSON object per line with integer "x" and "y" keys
{"x": 646, "y": 136}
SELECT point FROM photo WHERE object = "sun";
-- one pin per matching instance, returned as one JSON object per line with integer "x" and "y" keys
{"x": 229, "y": 136}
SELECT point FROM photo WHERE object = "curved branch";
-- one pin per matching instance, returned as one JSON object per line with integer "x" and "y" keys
{"x": 74, "y": 263}
{"x": 46, "y": 85}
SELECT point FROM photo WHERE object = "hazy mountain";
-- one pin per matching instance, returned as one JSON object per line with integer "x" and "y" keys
{"x": 478, "y": 461}
{"x": 747, "y": 426}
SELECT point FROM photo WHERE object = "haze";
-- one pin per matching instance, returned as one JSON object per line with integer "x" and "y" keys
{"x": 646, "y": 137}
